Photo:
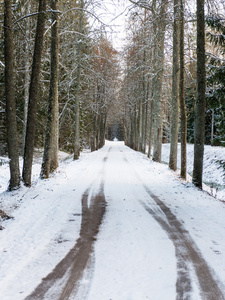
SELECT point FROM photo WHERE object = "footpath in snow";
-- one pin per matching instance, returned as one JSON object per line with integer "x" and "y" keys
{"x": 112, "y": 225}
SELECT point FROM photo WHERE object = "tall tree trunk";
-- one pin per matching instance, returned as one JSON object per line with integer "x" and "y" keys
{"x": 26, "y": 78}
{"x": 11, "y": 123}
{"x": 77, "y": 102}
{"x": 33, "y": 94}
{"x": 144, "y": 126}
{"x": 50, "y": 157}
{"x": 143, "y": 106}
{"x": 144, "y": 91}
{"x": 136, "y": 131}
{"x": 102, "y": 125}
{"x": 151, "y": 126}
{"x": 175, "y": 90}
{"x": 200, "y": 100}
{"x": 94, "y": 133}
{"x": 140, "y": 105}
{"x": 212, "y": 127}
{"x": 157, "y": 83}
{"x": 132, "y": 129}
{"x": 182, "y": 97}
{"x": 146, "y": 114}
{"x": 55, "y": 57}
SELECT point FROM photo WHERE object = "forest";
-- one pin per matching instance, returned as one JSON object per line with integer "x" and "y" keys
{"x": 65, "y": 87}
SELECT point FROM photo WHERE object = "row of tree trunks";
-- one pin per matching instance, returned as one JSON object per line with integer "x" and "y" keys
{"x": 137, "y": 128}
{"x": 137, "y": 116}
{"x": 99, "y": 127}
{"x": 103, "y": 64}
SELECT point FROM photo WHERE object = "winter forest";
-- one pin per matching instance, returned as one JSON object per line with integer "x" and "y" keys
{"x": 65, "y": 86}
{"x": 112, "y": 150}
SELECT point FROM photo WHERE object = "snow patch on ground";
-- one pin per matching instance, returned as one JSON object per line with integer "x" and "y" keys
{"x": 214, "y": 167}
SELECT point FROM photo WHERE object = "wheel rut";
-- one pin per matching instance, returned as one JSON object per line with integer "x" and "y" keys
{"x": 64, "y": 279}
{"x": 187, "y": 254}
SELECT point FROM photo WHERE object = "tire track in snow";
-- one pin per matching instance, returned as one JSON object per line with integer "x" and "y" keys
{"x": 63, "y": 281}
{"x": 187, "y": 253}
{"x": 183, "y": 284}
{"x": 91, "y": 220}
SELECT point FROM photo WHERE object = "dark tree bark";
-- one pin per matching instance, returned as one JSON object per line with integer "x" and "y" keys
{"x": 26, "y": 76}
{"x": 50, "y": 157}
{"x": 200, "y": 100}
{"x": 175, "y": 90}
{"x": 11, "y": 124}
{"x": 77, "y": 102}
{"x": 33, "y": 94}
{"x": 102, "y": 125}
{"x": 183, "y": 115}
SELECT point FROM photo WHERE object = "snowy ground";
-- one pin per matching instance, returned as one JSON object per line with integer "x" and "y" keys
{"x": 135, "y": 254}
{"x": 214, "y": 166}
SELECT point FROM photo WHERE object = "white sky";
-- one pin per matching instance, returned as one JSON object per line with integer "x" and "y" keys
{"x": 113, "y": 14}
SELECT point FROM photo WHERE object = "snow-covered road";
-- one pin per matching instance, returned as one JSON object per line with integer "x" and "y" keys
{"x": 113, "y": 225}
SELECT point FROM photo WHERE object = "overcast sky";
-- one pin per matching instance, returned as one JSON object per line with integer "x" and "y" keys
{"x": 114, "y": 14}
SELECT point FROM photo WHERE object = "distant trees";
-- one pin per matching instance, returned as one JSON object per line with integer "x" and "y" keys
{"x": 146, "y": 78}
{"x": 106, "y": 69}
{"x": 143, "y": 78}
